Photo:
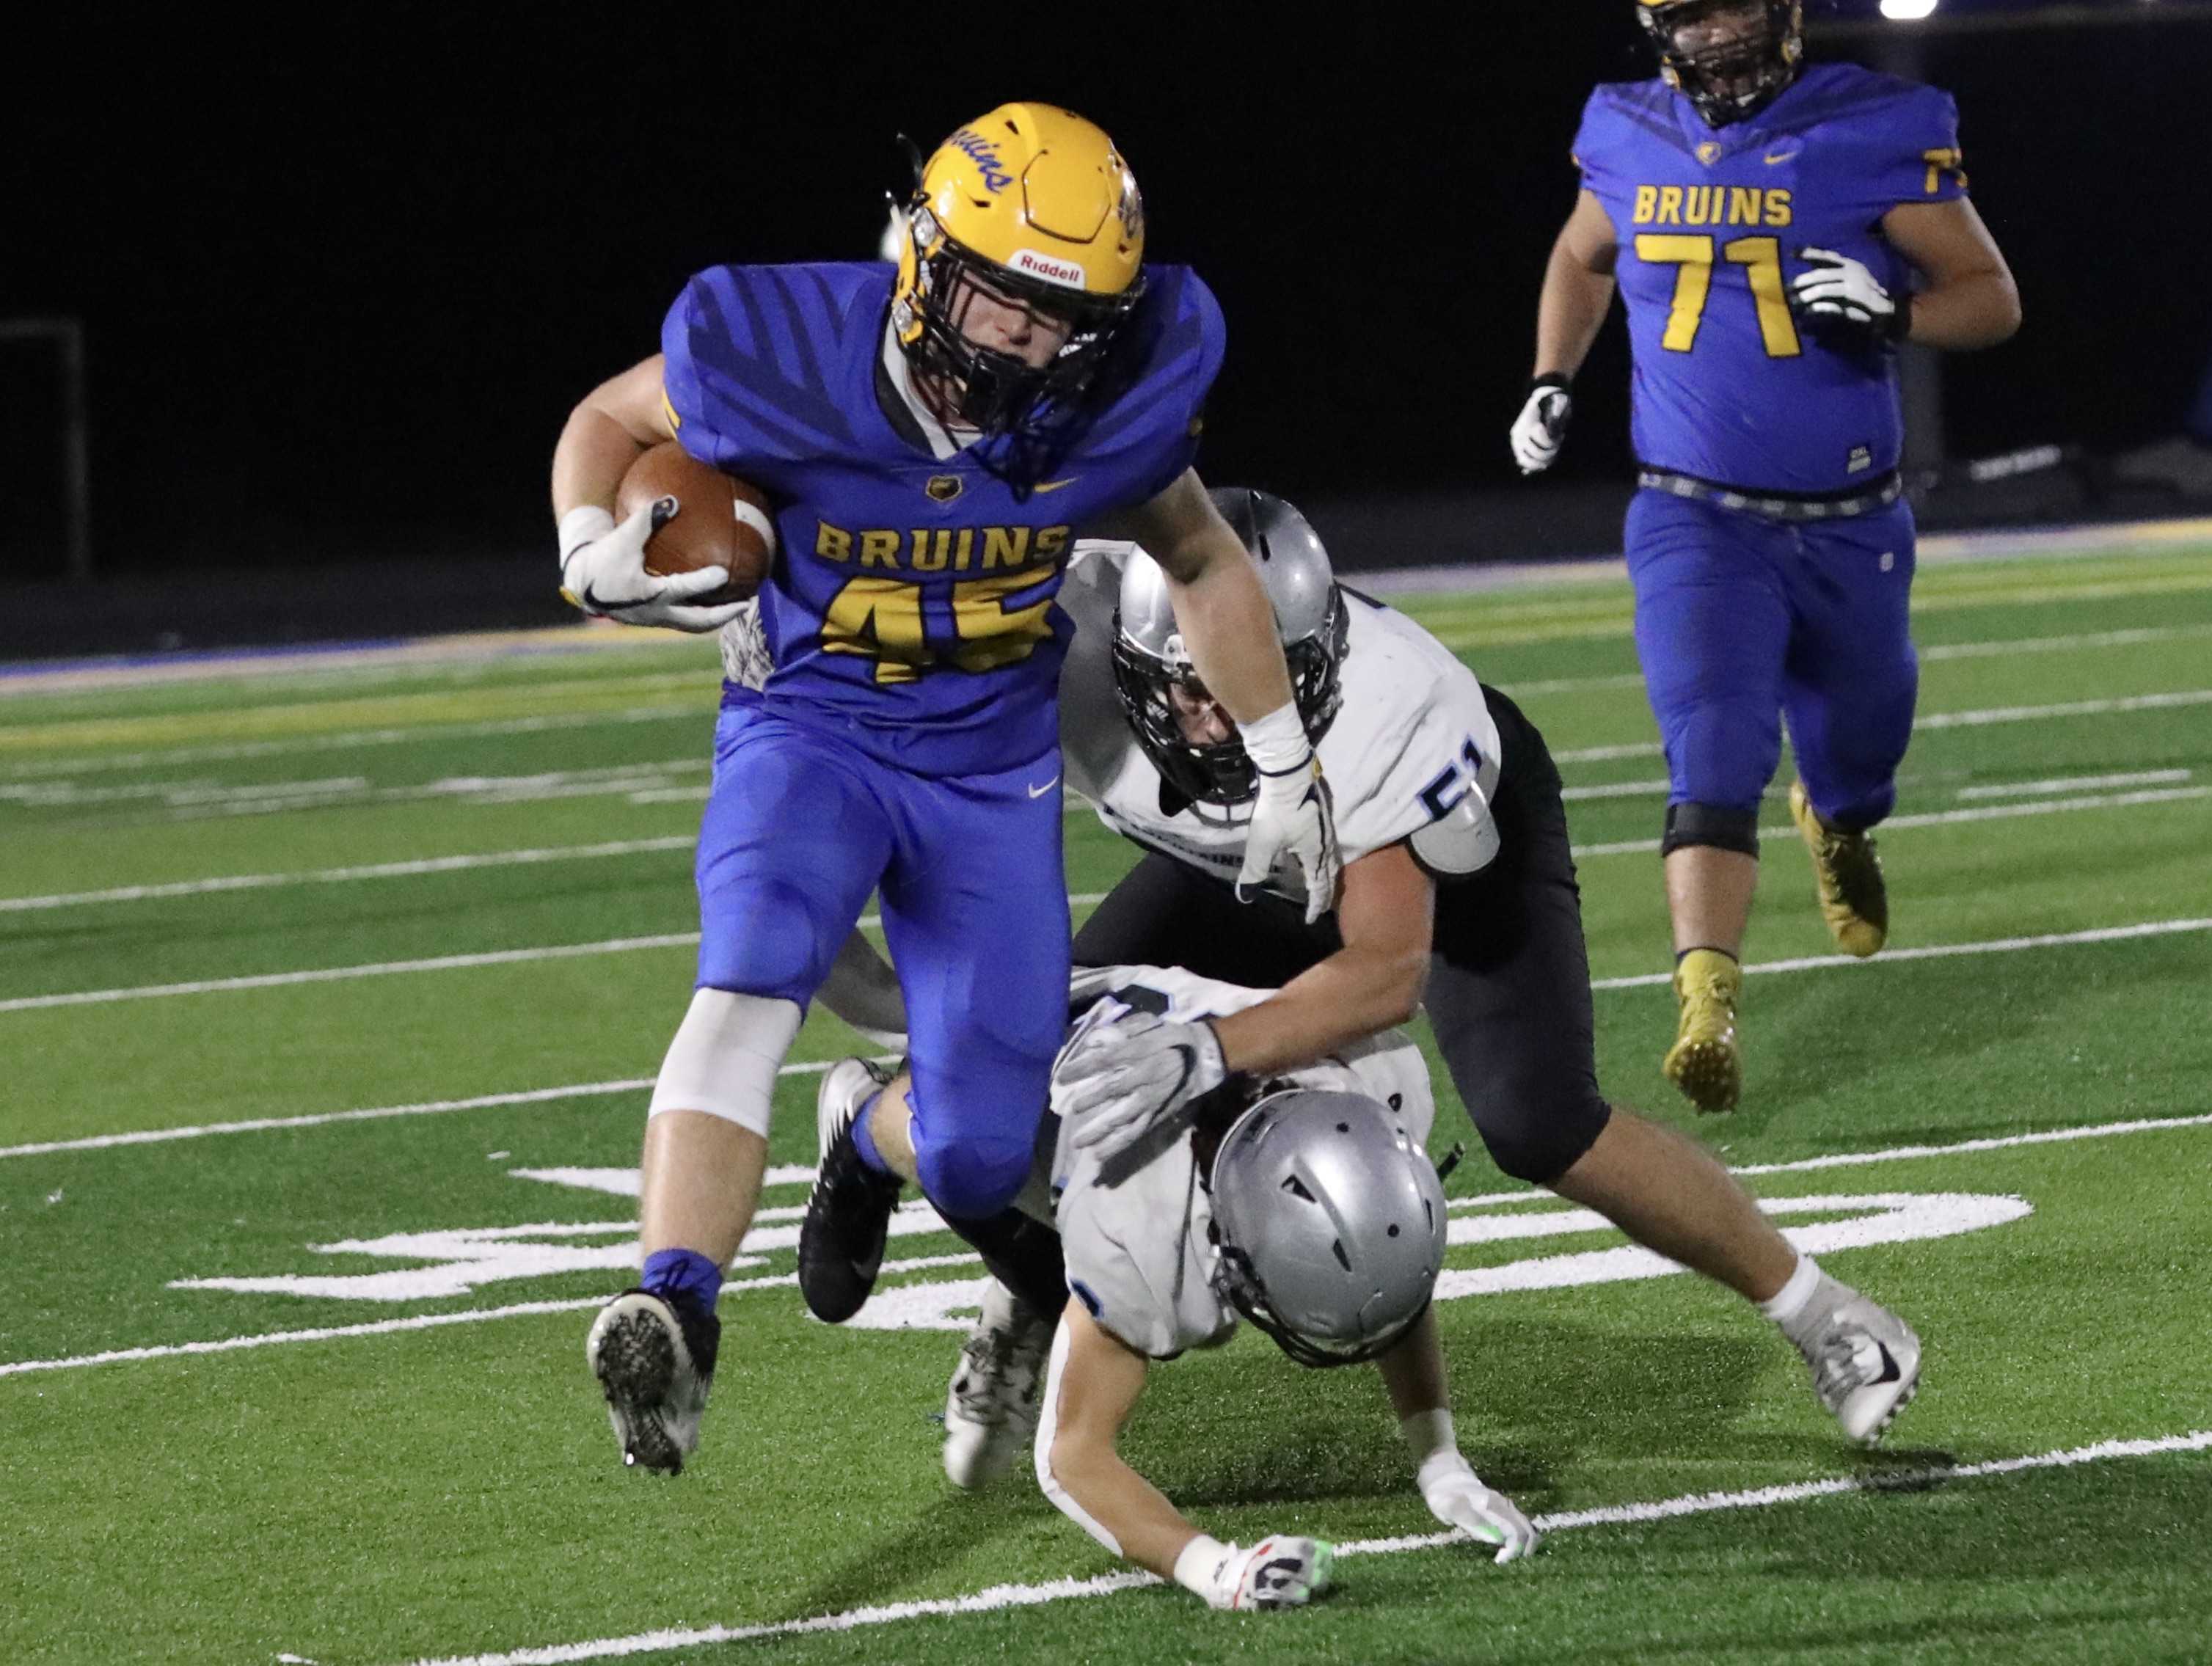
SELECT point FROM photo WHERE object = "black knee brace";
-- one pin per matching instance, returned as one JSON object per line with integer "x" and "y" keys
{"x": 1713, "y": 824}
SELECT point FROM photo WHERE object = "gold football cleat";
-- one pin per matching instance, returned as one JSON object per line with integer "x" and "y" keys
{"x": 1846, "y": 879}
{"x": 1704, "y": 1061}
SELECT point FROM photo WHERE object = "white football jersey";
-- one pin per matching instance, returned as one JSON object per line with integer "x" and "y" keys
{"x": 1412, "y": 742}
{"x": 1134, "y": 1230}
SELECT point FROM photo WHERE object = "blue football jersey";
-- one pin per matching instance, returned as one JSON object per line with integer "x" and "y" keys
{"x": 1710, "y": 224}
{"x": 909, "y": 608}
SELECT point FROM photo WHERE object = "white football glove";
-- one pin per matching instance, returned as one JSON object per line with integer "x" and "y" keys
{"x": 1838, "y": 295}
{"x": 1456, "y": 1496}
{"x": 1119, "y": 1081}
{"x": 603, "y": 572}
{"x": 1542, "y": 424}
{"x": 1278, "y": 1573}
{"x": 1293, "y": 818}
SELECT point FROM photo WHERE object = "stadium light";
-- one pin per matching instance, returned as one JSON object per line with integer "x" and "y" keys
{"x": 1906, "y": 11}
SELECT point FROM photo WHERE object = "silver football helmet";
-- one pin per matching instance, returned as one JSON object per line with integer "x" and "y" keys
{"x": 1148, "y": 657}
{"x": 1330, "y": 1222}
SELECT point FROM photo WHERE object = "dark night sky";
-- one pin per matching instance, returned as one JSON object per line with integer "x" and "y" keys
{"x": 342, "y": 286}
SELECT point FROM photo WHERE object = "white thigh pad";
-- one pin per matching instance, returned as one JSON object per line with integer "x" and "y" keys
{"x": 725, "y": 1058}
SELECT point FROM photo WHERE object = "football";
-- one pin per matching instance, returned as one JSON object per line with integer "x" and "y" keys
{"x": 723, "y": 522}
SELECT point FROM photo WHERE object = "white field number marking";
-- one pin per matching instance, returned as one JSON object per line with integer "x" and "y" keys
{"x": 461, "y": 1260}
{"x": 1868, "y": 1219}
{"x": 454, "y": 1262}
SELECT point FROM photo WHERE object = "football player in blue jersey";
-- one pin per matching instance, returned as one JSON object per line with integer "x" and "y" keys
{"x": 1775, "y": 233}
{"x": 929, "y": 436}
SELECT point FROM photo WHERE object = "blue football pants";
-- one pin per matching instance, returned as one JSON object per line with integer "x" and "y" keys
{"x": 1742, "y": 621}
{"x": 801, "y": 828}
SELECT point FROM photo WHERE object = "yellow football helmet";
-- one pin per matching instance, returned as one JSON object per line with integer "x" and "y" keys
{"x": 1032, "y": 206}
{"x": 1733, "y": 78}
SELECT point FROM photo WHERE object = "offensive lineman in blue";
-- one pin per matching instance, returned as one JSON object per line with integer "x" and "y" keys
{"x": 1765, "y": 225}
{"x": 930, "y": 437}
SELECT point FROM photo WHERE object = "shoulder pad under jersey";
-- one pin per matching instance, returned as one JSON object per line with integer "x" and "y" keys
{"x": 1462, "y": 841}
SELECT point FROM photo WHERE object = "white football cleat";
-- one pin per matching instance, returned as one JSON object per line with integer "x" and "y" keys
{"x": 655, "y": 1364}
{"x": 990, "y": 1408}
{"x": 1865, "y": 1359}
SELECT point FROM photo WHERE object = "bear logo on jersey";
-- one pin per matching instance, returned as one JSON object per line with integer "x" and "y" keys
{"x": 942, "y": 487}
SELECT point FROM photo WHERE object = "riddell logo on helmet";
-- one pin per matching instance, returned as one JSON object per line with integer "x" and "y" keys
{"x": 982, "y": 152}
{"x": 1066, "y": 273}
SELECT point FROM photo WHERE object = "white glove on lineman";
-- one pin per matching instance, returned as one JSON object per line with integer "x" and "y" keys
{"x": 1542, "y": 424}
{"x": 1278, "y": 1573}
{"x": 603, "y": 572}
{"x": 1456, "y": 1496}
{"x": 1293, "y": 818}
{"x": 1117, "y": 1081}
{"x": 1840, "y": 295}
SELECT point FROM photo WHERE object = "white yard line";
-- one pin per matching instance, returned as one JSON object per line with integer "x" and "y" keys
{"x": 421, "y": 1322}
{"x": 2082, "y": 785}
{"x": 2002, "y": 648}
{"x": 679, "y": 940}
{"x": 392, "y": 968}
{"x": 198, "y": 800}
{"x": 1980, "y": 813}
{"x": 346, "y": 740}
{"x": 340, "y": 974}
{"x": 378, "y": 1113}
{"x": 1859, "y": 1159}
{"x": 794, "y": 1175}
{"x": 2133, "y": 702}
{"x": 1531, "y": 688}
{"x": 1616, "y": 789}
{"x": 1961, "y": 720}
{"x": 2028, "y": 789}
{"x": 430, "y": 865}
{"x": 1608, "y": 753}
{"x": 998, "y": 1598}
{"x": 1935, "y": 952}
{"x": 329, "y": 876}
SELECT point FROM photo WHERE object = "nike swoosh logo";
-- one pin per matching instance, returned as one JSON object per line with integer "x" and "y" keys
{"x": 1189, "y": 1057}
{"x": 1889, "y": 1370}
{"x": 1775, "y": 158}
{"x": 592, "y": 602}
{"x": 1055, "y": 485}
{"x": 1039, "y": 791}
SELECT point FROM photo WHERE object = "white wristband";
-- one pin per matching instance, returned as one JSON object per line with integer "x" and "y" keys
{"x": 580, "y": 526}
{"x": 1277, "y": 743}
{"x": 1199, "y": 1567}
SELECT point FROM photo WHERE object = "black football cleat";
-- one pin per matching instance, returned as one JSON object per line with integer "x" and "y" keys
{"x": 849, "y": 1213}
